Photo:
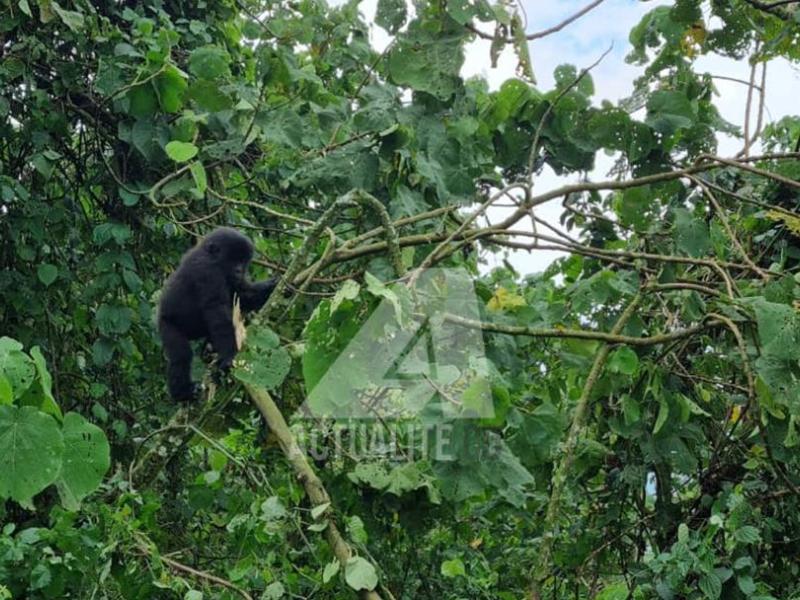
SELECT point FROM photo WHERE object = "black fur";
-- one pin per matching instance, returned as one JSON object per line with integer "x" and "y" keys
{"x": 197, "y": 303}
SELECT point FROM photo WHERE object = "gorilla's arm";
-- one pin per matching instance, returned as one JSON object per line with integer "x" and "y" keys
{"x": 215, "y": 304}
{"x": 253, "y": 296}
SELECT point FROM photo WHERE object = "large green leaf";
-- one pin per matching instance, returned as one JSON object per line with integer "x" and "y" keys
{"x": 171, "y": 86}
{"x": 668, "y": 111}
{"x": 428, "y": 62}
{"x": 691, "y": 234}
{"x": 360, "y": 574}
{"x": 16, "y": 366}
{"x": 31, "y": 452}
{"x": 265, "y": 362}
{"x": 391, "y": 14}
{"x": 209, "y": 62}
{"x": 86, "y": 460}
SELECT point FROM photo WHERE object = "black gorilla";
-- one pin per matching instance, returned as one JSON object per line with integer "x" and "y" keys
{"x": 197, "y": 303}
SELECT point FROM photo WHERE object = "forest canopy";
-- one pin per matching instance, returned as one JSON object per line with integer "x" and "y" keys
{"x": 409, "y": 417}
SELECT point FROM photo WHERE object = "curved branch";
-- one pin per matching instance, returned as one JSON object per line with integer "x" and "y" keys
{"x": 582, "y": 334}
{"x": 544, "y": 32}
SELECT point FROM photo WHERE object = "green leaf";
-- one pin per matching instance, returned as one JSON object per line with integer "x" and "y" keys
{"x": 47, "y": 273}
{"x": 16, "y": 366}
{"x": 143, "y": 101}
{"x": 102, "y": 351}
{"x": 31, "y": 451}
{"x": 263, "y": 363}
{"x": 711, "y": 586}
{"x": 746, "y": 584}
{"x": 87, "y": 457}
{"x": 630, "y": 409}
{"x": 144, "y": 136}
{"x": 663, "y": 415}
{"x": 463, "y": 11}
{"x": 132, "y": 280}
{"x": 319, "y": 510}
{"x": 45, "y": 383}
{"x": 624, "y": 360}
{"x": 356, "y": 530}
{"x": 272, "y": 509}
{"x": 668, "y": 111}
{"x": 477, "y": 398}
{"x": 453, "y": 568}
{"x": 391, "y": 15}
{"x": 44, "y": 166}
{"x": 41, "y": 576}
{"x": 616, "y": 591}
{"x": 184, "y": 129}
{"x": 113, "y": 319}
{"x": 171, "y": 87}
{"x": 330, "y": 571}
{"x": 274, "y": 591}
{"x": 747, "y": 535}
{"x": 70, "y": 18}
{"x": 691, "y": 234}
{"x": 128, "y": 198}
{"x": 209, "y": 62}
{"x": 427, "y": 63}
{"x": 209, "y": 96}
{"x": 199, "y": 176}
{"x": 360, "y": 574}
{"x": 181, "y": 151}
{"x": 282, "y": 126}
{"x": 6, "y": 391}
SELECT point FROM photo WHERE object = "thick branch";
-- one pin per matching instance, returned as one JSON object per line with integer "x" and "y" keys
{"x": 564, "y": 466}
{"x": 305, "y": 474}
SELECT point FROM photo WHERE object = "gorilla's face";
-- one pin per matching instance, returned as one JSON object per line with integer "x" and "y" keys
{"x": 231, "y": 252}
{"x": 236, "y": 274}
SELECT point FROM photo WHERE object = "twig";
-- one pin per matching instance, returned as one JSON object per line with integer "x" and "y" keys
{"x": 432, "y": 257}
{"x": 545, "y": 32}
{"x": 178, "y": 566}
{"x": 748, "y": 108}
{"x": 728, "y": 229}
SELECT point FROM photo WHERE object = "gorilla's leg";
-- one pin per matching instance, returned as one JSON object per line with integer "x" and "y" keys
{"x": 179, "y": 359}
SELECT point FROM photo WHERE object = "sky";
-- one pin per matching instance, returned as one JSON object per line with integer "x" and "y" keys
{"x": 582, "y": 43}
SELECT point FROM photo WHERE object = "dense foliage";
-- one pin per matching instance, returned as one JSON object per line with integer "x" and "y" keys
{"x": 644, "y": 389}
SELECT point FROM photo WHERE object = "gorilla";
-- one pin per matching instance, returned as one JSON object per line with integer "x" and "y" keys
{"x": 197, "y": 303}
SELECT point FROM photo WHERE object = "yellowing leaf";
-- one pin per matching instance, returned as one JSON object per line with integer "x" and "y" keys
{"x": 693, "y": 39}
{"x": 792, "y": 223}
{"x": 736, "y": 414}
{"x": 505, "y": 300}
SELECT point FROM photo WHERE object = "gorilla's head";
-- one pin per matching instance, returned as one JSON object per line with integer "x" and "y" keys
{"x": 230, "y": 251}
